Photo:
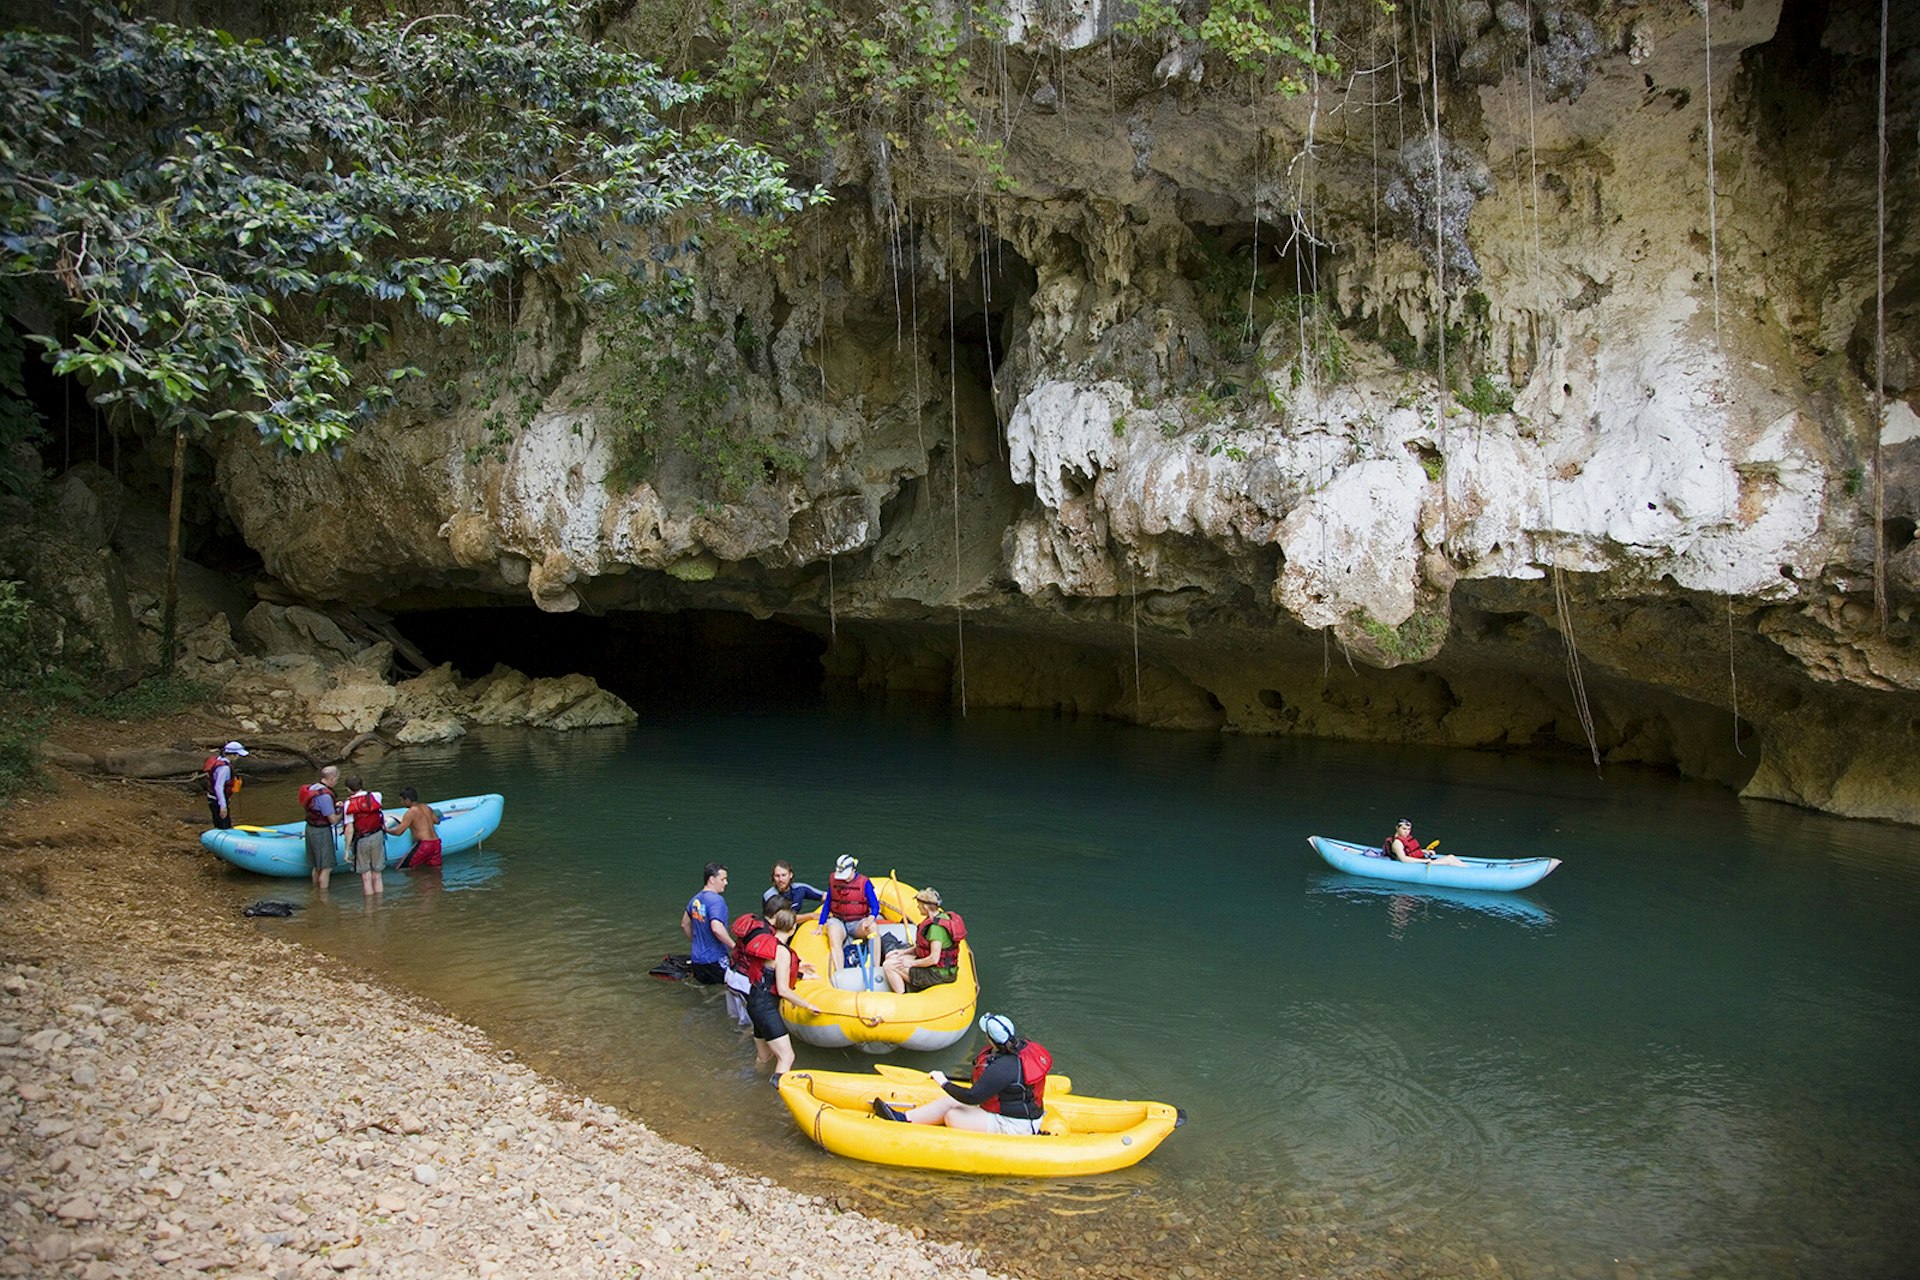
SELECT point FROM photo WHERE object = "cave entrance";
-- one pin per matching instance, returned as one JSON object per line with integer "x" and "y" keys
{"x": 656, "y": 661}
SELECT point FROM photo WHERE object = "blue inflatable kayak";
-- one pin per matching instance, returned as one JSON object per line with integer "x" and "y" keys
{"x": 1477, "y": 873}
{"x": 282, "y": 850}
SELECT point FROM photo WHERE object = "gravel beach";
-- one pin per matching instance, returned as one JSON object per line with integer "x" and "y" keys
{"x": 182, "y": 1094}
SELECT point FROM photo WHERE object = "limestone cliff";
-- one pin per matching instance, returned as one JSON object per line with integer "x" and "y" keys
{"x": 1276, "y": 415}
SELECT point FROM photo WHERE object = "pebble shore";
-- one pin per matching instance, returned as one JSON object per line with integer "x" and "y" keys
{"x": 180, "y": 1094}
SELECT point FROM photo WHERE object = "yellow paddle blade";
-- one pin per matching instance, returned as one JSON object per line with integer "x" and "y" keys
{"x": 241, "y": 826}
{"x": 1434, "y": 845}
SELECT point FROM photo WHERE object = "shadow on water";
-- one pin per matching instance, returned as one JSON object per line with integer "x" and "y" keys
{"x": 1687, "y": 1053}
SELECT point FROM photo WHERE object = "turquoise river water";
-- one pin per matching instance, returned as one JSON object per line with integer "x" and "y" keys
{"x": 1689, "y": 1052}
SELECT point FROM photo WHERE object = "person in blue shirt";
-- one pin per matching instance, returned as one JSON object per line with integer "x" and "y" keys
{"x": 705, "y": 924}
{"x": 785, "y": 886}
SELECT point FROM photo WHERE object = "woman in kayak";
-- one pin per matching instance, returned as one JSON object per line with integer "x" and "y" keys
{"x": 1402, "y": 847}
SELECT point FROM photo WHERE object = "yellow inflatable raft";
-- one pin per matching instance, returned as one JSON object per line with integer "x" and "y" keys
{"x": 1080, "y": 1135}
{"x": 862, "y": 1012}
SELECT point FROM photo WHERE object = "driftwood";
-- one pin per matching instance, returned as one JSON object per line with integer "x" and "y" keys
{"x": 373, "y": 626}
{"x": 371, "y": 735}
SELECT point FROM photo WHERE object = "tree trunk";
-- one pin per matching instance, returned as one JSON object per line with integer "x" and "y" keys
{"x": 170, "y": 607}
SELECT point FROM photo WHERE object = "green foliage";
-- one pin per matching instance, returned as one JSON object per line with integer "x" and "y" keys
{"x": 1321, "y": 352}
{"x": 34, "y": 690}
{"x": 23, "y": 720}
{"x": 1419, "y": 637}
{"x": 20, "y": 422}
{"x": 229, "y": 225}
{"x": 1435, "y": 466}
{"x": 153, "y": 697}
{"x": 1487, "y": 396}
{"x": 1276, "y": 44}
{"x": 806, "y": 76}
{"x": 671, "y": 396}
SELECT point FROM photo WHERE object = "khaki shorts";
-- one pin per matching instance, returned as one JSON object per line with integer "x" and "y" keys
{"x": 370, "y": 852}
{"x": 323, "y": 852}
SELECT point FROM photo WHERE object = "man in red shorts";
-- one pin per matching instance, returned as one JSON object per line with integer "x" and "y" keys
{"x": 425, "y": 825}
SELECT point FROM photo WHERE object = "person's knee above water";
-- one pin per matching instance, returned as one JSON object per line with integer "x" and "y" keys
{"x": 1008, "y": 1092}
{"x": 851, "y": 907}
{"x": 705, "y": 923}
{"x": 934, "y": 957}
{"x": 1402, "y": 847}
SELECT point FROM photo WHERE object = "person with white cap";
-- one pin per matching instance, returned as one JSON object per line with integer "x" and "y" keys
{"x": 222, "y": 784}
{"x": 850, "y": 910}
{"x": 934, "y": 957}
{"x": 1008, "y": 1093}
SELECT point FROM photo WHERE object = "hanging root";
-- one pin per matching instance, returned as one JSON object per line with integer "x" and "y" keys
{"x": 1574, "y": 679}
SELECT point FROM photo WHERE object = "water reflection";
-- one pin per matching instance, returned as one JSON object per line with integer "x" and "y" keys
{"x": 1504, "y": 1089}
{"x": 1412, "y": 904}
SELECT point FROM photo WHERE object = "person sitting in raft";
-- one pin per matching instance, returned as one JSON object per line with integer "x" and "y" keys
{"x": 765, "y": 958}
{"x": 785, "y": 886}
{"x": 1402, "y": 847}
{"x": 1008, "y": 1093}
{"x": 425, "y": 825}
{"x": 850, "y": 910}
{"x": 934, "y": 957}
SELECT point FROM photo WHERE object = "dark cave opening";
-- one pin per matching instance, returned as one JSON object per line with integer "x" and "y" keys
{"x": 656, "y": 661}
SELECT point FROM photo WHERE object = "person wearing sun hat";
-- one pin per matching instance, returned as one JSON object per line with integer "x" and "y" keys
{"x": 934, "y": 957}
{"x": 222, "y": 784}
{"x": 1008, "y": 1093}
{"x": 851, "y": 907}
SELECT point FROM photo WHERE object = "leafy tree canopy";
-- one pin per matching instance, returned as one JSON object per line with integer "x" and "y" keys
{"x": 226, "y": 222}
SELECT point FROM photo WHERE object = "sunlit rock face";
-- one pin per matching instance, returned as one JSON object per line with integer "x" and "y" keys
{"x": 1165, "y": 432}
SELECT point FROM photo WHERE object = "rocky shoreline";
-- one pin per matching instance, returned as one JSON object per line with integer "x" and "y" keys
{"x": 180, "y": 1093}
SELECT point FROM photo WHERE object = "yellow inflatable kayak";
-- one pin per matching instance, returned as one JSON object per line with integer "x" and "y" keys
{"x": 860, "y": 1011}
{"x": 1080, "y": 1135}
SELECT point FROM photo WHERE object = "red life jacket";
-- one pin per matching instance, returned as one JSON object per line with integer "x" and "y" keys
{"x": 363, "y": 807}
{"x": 847, "y": 899}
{"x": 233, "y": 782}
{"x": 310, "y": 793}
{"x": 1031, "y": 1093}
{"x": 753, "y": 945}
{"x": 953, "y": 924}
{"x": 1411, "y": 846}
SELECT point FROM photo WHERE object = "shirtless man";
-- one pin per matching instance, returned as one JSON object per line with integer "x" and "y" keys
{"x": 425, "y": 825}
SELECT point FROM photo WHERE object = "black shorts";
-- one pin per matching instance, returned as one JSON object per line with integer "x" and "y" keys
{"x": 763, "y": 1010}
{"x": 712, "y": 972}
